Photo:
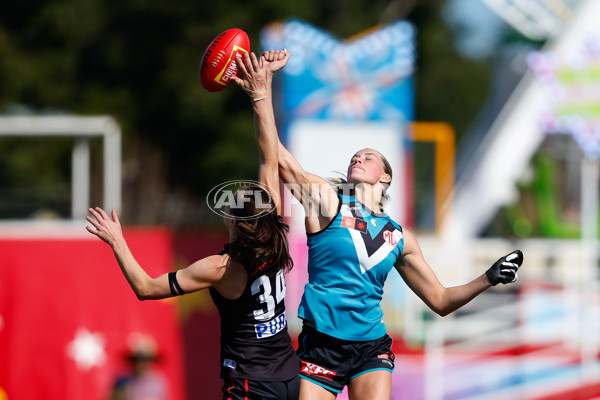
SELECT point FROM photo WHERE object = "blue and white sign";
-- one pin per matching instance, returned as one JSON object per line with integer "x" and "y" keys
{"x": 367, "y": 77}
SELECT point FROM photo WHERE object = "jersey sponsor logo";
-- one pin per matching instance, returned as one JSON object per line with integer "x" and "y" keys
{"x": 372, "y": 247}
{"x": 229, "y": 363}
{"x": 354, "y": 223}
{"x": 272, "y": 327}
{"x": 315, "y": 370}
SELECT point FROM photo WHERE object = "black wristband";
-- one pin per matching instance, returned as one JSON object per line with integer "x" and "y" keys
{"x": 176, "y": 290}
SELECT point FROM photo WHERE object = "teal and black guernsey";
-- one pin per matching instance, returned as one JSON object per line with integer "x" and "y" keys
{"x": 348, "y": 263}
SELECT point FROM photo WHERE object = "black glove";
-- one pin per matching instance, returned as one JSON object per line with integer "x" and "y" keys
{"x": 505, "y": 269}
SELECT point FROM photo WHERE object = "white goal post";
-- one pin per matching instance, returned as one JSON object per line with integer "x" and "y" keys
{"x": 82, "y": 129}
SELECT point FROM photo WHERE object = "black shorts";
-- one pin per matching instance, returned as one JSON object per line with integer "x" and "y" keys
{"x": 246, "y": 389}
{"x": 331, "y": 363}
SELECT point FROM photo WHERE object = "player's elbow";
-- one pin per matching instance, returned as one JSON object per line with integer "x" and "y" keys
{"x": 446, "y": 308}
{"x": 285, "y": 166}
{"x": 442, "y": 312}
{"x": 145, "y": 292}
{"x": 440, "y": 306}
{"x": 437, "y": 309}
{"x": 142, "y": 295}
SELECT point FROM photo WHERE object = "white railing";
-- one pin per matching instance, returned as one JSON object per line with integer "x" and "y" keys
{"x": 544, "y": 340}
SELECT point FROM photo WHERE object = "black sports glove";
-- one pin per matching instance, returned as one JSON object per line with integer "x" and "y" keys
{"x": 505, "y": 269}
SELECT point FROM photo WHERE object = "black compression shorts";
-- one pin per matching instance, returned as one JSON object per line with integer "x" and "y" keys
{"x": 245, "y": 389}
{"x": 332, "y": 363}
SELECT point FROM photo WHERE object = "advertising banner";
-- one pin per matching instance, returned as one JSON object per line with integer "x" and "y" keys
{"x": 69, "y": 320}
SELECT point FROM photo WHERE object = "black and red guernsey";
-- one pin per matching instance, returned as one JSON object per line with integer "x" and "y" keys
{"x": 255, "y": 343}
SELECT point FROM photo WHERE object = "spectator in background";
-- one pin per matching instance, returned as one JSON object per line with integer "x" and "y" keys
{"x": 143, "y": 382}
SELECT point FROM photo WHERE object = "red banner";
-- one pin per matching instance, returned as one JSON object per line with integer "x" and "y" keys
{"x": 200, "y": 319}
{"x": 66, "y": 313}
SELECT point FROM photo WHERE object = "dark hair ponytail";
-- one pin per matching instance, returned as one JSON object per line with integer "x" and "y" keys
{"x": 261, "y": 235}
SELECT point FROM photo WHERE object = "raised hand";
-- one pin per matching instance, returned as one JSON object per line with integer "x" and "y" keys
{"x": 253, "y": 75}
{"x": 276, "y": 59}
{"x": 505, "y": 269}
{"x": 106, "y": 228}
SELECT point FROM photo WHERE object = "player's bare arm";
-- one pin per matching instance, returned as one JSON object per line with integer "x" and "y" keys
{"x": 313, "y": 192}
{"x": 254, "y": 82}
{"x": 210, "y": 271}
{"x": 419, "y": 276}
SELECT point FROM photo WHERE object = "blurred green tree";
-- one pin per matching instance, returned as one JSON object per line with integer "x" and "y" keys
{"x": 138, "y": 61}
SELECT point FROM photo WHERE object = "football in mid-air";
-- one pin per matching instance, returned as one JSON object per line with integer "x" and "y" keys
{"x": 218, "y": 63}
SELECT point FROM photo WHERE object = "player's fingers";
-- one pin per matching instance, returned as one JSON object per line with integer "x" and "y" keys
{"x": 241, "y": 65}
{"x": 103, "y": 213}
{"x": 248, "y": 63}
{"x": 508, "y": 275}
{"x": 243, "y": 62}
{"x": 92, "y": 231}
{"x": 511, "y": 256}
{"x": 93, "y": 222}
{"x": 95, "y": 214}
{"x": 516, "y": 257}
{"x": 115, "y": 217}
{"x": 254, "y": 61}
{"x": 268, "y": 55}
{"x": 238, "y": 81}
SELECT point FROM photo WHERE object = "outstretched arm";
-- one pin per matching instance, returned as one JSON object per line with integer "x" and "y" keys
{"x": 255, "y": 74}
{"x": 419, "y": 276}
{"x": 314, "y": 193}
{"x": 204, "y": 273}
{"x": 290, "y": 169}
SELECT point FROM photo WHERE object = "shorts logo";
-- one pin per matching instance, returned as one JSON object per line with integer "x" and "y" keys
{"x": 315, "y": 370}
{"x": 229, "y": 363}
{"x": 387, "y": 358}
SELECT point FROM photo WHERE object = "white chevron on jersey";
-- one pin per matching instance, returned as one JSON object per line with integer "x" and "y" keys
{"x": 367, "y": 262}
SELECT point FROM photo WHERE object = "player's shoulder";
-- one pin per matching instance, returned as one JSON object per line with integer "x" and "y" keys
{"x": 395, "y": 223}
{"x": 217, "y": 260}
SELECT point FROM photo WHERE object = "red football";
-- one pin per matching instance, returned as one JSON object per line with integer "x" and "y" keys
{"x": 218, "y": 62}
